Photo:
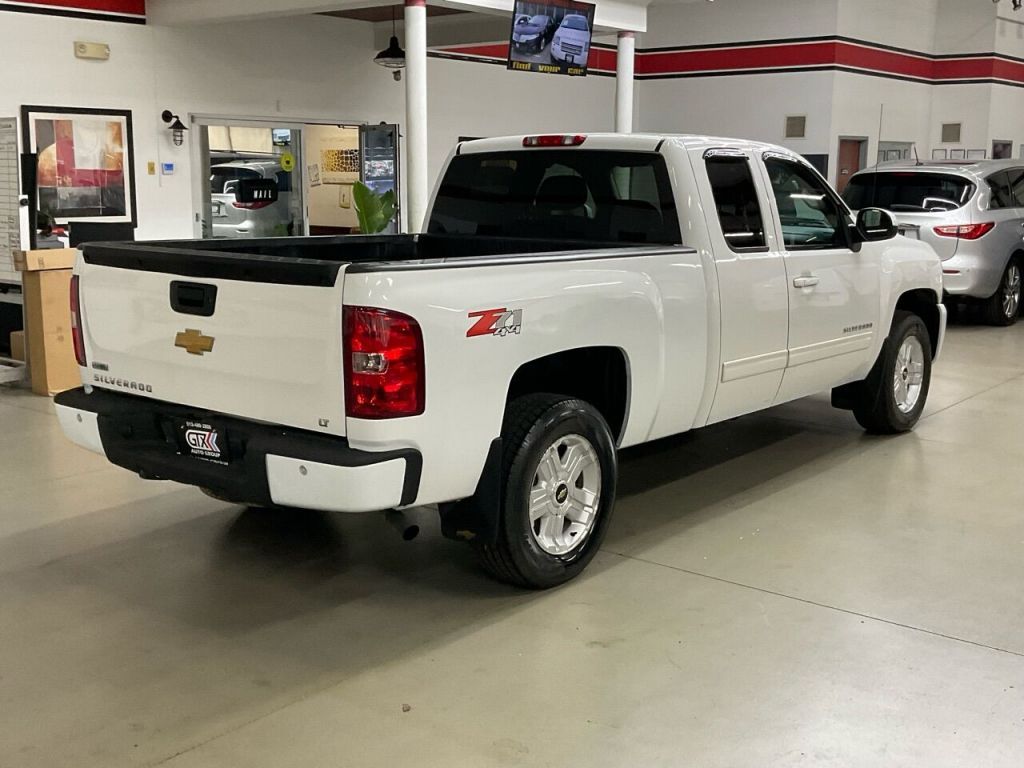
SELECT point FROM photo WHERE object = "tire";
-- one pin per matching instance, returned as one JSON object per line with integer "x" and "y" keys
{"x": 1003, "y": 306}
{"x": 562, "y": 539}
{"x": 881, "y": 405}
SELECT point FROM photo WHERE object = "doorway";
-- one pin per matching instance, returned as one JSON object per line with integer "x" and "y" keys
{"x": 852, "y": 158}
{"x": 276, "y": 179}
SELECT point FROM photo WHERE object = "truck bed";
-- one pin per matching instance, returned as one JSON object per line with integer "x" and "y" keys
{"x": 316, "y": 260}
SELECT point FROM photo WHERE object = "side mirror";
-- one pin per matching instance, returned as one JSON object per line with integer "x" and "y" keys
{"x": 874, "y": 224}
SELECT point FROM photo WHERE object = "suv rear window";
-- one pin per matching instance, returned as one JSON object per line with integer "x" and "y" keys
{"x": 221, "y": 176}
{"x": 908, "y": 191}
{"x": 608, "y": 197}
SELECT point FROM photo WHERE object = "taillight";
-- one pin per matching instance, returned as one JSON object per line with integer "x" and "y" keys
{"x": 965, "y": 231}
{"x": 554, "y": 140}
{"x": 76, "y": 322}
{"x": 384, "y": 370}
{"x": 252, "y": 206}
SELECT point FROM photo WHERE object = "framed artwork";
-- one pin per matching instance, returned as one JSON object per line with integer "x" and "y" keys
{"x": 84, "y": 163}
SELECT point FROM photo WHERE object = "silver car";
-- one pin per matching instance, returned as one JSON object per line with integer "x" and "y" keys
{"x": 971, "y": 212}
{"x": 263, "y": 219}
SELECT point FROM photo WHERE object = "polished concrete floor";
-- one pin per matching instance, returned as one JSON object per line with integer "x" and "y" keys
{"x": 780, "y": 590}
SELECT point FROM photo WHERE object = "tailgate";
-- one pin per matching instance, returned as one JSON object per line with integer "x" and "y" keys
{"x": 261, "y": 344}
{"x": 926, "y": 223}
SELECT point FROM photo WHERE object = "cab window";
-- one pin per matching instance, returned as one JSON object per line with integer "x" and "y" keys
{"x": 811, "y": 217}
{"x": 739, "y": 211}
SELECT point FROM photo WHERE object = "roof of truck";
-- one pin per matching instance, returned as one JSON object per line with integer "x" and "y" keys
{"x": 637, "y": 142}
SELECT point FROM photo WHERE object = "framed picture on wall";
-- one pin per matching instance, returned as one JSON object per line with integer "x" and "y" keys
{"x": 85, "y": 163}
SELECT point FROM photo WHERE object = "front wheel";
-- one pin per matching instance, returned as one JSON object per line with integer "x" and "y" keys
{"x": 1001, "y": 308}
{"x": 558, "y": 488}
{"x": 890, "y": 400}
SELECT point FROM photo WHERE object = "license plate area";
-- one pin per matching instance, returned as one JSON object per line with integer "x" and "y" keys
{"x": 202, "y": 440}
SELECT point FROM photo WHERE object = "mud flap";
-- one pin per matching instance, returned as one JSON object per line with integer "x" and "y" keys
{"x": 478, "y": 517}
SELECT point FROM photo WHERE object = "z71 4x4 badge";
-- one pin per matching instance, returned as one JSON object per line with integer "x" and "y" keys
{"x": 496, "y": 322}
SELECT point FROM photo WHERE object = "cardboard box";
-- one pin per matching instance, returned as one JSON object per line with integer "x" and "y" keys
{"x": 18, "y": 345}
{"x": 46, "y": 284}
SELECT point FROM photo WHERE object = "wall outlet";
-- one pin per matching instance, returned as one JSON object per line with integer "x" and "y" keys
{"x": 92, "y": 51}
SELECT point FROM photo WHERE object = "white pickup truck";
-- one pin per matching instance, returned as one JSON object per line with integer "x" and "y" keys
{"x": 572, "y": 295}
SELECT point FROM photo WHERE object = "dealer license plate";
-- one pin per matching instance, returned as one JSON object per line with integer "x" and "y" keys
{"x": 202, "y": 440}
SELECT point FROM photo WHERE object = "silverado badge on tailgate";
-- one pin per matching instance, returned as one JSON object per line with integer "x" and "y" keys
{"x": 193, "y": 341}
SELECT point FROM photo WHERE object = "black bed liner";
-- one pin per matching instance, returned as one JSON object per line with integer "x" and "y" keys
{"x": 315, "y": 261}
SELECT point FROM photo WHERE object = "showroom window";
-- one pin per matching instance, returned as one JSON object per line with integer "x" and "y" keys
{"x": 739, "y": 211}
{"x": 810, "y": 217}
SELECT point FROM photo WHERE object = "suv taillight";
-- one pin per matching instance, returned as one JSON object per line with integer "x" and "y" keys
{"x": 76, "y": 322}
{"x": 965, "y": 231}
{"x": 252, "y": 206}
{"x": 384, "y": 370}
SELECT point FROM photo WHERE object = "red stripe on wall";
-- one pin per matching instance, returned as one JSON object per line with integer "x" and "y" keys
{"x": 126, "y": 7}
{"x": 600, "y": 59}
{"x": 776, "y": 56}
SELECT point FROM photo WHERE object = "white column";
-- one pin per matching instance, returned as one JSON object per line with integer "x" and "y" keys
{"x": 624, "y": 83}
{"x": 416, "y": 112}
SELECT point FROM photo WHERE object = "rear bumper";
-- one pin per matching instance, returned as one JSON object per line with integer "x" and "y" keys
{"x": 270, "y": 464}
{"x": 974, "y": 275}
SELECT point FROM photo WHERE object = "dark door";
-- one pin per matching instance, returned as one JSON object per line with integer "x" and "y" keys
{"x": 849, "y": 161}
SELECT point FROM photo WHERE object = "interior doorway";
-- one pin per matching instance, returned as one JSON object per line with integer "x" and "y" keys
{"x": 258, "y": 179}
{"x": 852, "y": 158}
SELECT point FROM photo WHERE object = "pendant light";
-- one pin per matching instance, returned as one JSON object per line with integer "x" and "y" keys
{"x": 392, "y": 57}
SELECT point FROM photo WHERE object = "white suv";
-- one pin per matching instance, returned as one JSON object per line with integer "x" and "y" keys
{"x": 971, "y": 213}
{"x": 571, "y": 43}
{"x": 231, "y": 218}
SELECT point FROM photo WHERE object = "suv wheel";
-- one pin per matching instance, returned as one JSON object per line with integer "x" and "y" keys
{"x": 559, "y": 471}
{"x": 1003, "y": 306}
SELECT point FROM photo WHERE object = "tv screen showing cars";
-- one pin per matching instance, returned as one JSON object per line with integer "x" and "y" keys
{"x": 551, "y": 37}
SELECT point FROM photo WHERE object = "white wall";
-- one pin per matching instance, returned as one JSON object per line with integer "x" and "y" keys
{"x": 315, "y": 67}
{"x": 306, "y": 67}
{"x": 746, "y": 106}
{"x": 473, "y": 99}
{"x": 701, "y": 23}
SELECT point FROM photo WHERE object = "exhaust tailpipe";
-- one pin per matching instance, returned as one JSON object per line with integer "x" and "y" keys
{"x": 407, "y": 529}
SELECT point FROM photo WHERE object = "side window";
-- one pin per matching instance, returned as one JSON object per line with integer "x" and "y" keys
{"x": 736, "y": 202}
{"x": 810, "y": 216}
{"x": 1002, "y": 196}
{"x": 1016, "y": 176}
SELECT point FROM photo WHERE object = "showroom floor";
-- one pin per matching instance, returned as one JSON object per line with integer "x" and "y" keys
{"x": 778, "y": 590}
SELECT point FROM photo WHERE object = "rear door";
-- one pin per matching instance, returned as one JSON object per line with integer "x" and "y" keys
{"x": 833, "y": 291}
{"x": 258, "y": 341}
{"x": 753, "y": 297}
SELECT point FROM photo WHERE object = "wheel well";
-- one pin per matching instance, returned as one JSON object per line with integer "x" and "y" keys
{"x": 598, "y": 375}
{"x": 923, "y": 304}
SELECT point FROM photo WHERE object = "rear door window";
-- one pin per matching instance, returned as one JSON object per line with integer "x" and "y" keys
{"x": 909, "y": 191}
{"x": 739, "y": 211}
{"x": 597, "y": 196}
{"x": 1016, "y": 179}
{"x": 1002, "y": 194}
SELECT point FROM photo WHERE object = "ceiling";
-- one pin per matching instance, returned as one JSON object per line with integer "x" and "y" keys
{"x": 384, "y": 12}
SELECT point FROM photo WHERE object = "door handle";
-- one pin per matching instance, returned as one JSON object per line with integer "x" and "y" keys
{"x": 807, "y": 281}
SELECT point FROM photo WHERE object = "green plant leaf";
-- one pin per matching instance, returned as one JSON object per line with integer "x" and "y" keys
{"x": 374, "y": 211}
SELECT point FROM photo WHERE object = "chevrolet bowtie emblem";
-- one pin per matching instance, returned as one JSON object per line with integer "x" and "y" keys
{"x": 193, "y": 341}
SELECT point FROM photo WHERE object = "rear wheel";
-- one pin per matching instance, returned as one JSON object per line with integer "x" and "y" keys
{"x": 890, "y": 400}
{"x": 1003, "y": 306}
{"x": 559, "y": 471}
